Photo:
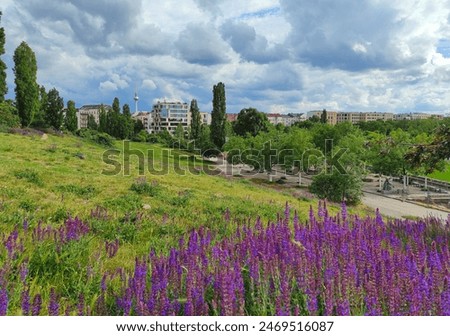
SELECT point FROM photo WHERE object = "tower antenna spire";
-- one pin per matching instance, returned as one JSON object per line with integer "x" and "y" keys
{"x": 136, "y": 99}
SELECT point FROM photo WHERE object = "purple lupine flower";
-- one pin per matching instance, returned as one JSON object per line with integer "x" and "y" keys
{"x": 3, "y": 302}
{"x": 25, "y": 302}
{"x": 25, "y": 225}
{"x": 81, "y": 305}
{"x": 37, "y": 303}
{"x": 23, "y": 271}
{"x": 53, "y": 306}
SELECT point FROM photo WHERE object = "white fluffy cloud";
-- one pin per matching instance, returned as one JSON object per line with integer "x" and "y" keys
{"x": 275, "y": 55}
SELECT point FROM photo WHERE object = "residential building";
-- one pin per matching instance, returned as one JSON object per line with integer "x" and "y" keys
{"x": 232, "y": 117}
{"x": 167, "y": 115}
{"x": 417, "y": 116}
{"x": 205, "y": 117}
{"x": 85, "y": 111}
{"x": 145, "y": 117}
{"x": 332, "y": 116}
{"x": 285, "y": 119}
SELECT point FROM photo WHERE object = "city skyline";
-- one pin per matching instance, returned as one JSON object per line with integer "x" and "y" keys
{"x": 277, "y": 56}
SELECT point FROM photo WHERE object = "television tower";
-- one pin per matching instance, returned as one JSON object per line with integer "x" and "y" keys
{"x": 136, "y": 99}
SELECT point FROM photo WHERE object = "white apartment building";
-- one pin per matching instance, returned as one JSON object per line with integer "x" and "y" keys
{"x": 167, "y": 115}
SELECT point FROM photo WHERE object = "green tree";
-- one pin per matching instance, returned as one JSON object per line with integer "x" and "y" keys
{"x": 116, "y": 105}
{"x": 218, "y": 116}
{"x": 27, "y": 89}
{"x": 39, "y": 117}
{"x": 91, "y": 123}
{"x": 126, "y": 110}
{"x": 54, "y": 114}
{"x": 430, "y": 156}
{"x": 129, "y": 123}
{"x": 3, "y": 84}
{"x": 324, "y": 117}
{"x": 8, "y": 114}
{"x": 103, "y": 120}
{"x": 138, "y": 126}
{"x": 196, "y": 122}
{"x": 70, "y": 120}
{"x": 250, "y": 121}
{"x": 204, "y": 142}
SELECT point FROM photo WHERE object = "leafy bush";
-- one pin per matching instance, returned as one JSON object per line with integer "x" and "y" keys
{"x": 8, "y": 116}
{"x": 97, "y": 137}
{"x": 337, "y": 187}
{"x": 142, "y": 136}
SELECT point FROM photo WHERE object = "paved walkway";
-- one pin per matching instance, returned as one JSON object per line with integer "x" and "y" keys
{"x": 387, "y": 205}
{"x": 396, "y": 208}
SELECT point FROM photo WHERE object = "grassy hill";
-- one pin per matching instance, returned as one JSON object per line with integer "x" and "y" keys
{"x": 48, "y": 178}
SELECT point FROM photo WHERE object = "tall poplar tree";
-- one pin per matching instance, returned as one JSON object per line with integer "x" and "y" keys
{"x": 3, "y": 84}
{"x": 196, "y": 122}
{"x": 218, "y": 116}
{"x": 70, "y": 120}
{"x": 54, "y": 114}
{"x": 27, "y": 89}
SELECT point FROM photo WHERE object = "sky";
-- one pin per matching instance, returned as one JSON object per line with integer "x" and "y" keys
{"x": 279, "y": 56}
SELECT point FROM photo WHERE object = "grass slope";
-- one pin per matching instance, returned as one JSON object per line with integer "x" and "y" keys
{"x": 442, "y": 175}
{"x": 47, "y": 179}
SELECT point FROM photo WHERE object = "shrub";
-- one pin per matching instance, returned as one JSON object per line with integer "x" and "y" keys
{"x": 97, "y": 137}
{"x": 337, "y": 187}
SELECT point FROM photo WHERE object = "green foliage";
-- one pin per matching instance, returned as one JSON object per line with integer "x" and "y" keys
{"x": 39, "y": 119}
{"x": 54, "y": 114}
{"x": 116, "y": 106}
{"x": 29, "y": 175}
{"x": 204, "y": 143}
{"x": 27, "y": 89}
{"x": 250, "y": 121}
{"x": 126, "y": 110}
{"x": 103, "y": 120}
{"x": 70, "y": 120}
{"x": 337, "y": 187}
{"x": 141, "y": 136}
{"x": 431, "y": 155}
{"x": 85, "y": 192}
{"x": 3, "y": 83}
{"x": 138, "y": 127}
{"x": 324, "y": 117}
{"x": 8, "y": 115}
{"x": 91, "y": 123}
{"x": 218, "y": 116}
{"x": 195, "y": 120}
{"x": 95, "y": 136}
